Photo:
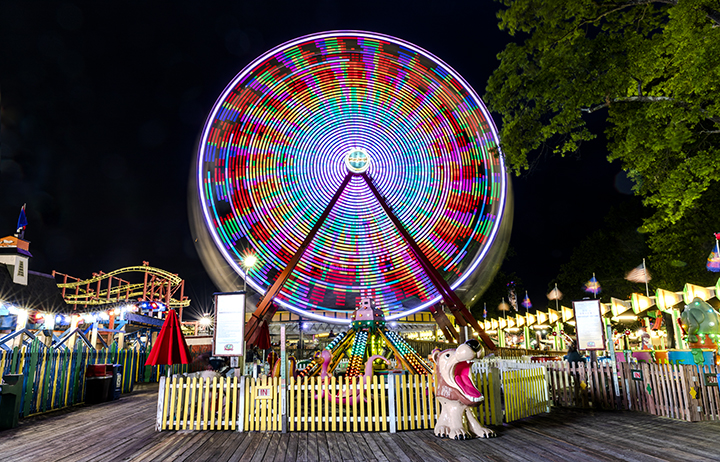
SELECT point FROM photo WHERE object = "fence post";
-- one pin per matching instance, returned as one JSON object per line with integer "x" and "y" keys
{"x": 548, "y": 385}
{"x": 78, "y": 374}
{"x": 546, "y": 389}
{"x": 15, "y": 360}
{"x": 693, "y": 386}
{"x": 30, "y": 379}
{"x": 161, "y": 398}
{"x": 241, "y": 404}
{"x": 497, "y": 416}
{"x": 391, "y": 404}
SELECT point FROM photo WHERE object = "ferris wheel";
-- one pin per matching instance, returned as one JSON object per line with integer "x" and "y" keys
{"x": 354, "y": 165}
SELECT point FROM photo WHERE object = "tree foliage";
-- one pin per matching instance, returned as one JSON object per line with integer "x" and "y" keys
{"x": 651, "y": 67}
{"x": 680, "y": 252}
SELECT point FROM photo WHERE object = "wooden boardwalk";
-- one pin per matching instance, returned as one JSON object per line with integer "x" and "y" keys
{"x": 124, "y": 430}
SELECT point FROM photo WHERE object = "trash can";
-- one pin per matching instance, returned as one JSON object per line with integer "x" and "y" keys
{"x": 97, "y": 383}
{"x": 10, "y": 393}
{"x": 116, "y": 383}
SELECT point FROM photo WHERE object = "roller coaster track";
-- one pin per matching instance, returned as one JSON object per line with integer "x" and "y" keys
{"x": 158, "y": 285}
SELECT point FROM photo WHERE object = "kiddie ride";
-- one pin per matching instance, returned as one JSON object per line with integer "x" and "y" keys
{"x": 365, "y": 339}
{"x": 455, "y": 390}
{"x": 695, "y": 336}
{"x": 700, "y": 323}
{"x": 363, "y": 344}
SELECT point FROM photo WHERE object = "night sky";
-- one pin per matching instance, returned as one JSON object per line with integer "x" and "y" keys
{"x": 103, "y": 103}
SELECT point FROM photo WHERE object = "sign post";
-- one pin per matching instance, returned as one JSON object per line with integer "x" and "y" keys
{"x": 589, "y": 328}
{"x": 613, "y": 363}
{"x": 283, "y": 380}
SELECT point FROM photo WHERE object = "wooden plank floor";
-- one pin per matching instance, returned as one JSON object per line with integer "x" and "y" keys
{"x": 124, "y": 430}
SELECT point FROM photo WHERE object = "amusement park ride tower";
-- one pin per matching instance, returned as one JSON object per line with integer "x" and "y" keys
{"x": 368, "y": 321}
{"x": 358, "y": 167}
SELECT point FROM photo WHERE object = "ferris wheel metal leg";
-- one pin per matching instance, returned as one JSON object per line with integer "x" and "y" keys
{"x": 462, "y": 314}
{"x": 463, "y": 317}
{"x": 262, "y": 313}
{"x": 443, "y": 322}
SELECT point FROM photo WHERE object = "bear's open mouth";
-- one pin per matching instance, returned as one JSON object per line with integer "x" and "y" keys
{"x": 463, "y": 380}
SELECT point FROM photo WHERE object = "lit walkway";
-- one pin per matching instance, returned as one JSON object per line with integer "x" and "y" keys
{"x": 124, "y": 430}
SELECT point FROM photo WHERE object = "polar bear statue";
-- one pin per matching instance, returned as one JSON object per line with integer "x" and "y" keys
{"x": 456, "y": 392}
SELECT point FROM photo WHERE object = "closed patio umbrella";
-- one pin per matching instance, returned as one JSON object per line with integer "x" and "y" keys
{"x": 262, "y": 338}
{"x": 170, "y": 346}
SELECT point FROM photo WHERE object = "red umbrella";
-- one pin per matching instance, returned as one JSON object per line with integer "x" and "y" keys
{"x": 262, "y": 338}
{"x": 170, "y": 346}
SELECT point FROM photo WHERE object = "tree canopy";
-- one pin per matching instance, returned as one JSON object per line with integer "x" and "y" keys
{"x": 650, "y": 67}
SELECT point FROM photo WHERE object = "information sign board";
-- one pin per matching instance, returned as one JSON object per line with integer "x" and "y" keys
{"x": 589, "y": 325}
{"x": 229, "y": 337}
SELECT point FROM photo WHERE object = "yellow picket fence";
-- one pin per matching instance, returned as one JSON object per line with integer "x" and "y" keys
{"x": 395, "y": 402}
{"x": 379, "y": 403}
{"x": 197, "y": 403}
{"x": 490, "y": 411}
{"x": 525, "y": 392}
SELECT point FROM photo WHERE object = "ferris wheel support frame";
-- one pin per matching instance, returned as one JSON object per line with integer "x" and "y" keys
{"x": 462, "y": 315}
{"x": 443, "y": 322}
{"x": 266, "y": 308}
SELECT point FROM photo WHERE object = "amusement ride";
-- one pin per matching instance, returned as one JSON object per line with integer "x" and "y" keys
{"x": 104, "y": 288}
{"x": 361, "y": 170}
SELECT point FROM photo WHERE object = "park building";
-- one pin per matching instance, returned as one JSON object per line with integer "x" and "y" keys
{"x": 26, "y": 296}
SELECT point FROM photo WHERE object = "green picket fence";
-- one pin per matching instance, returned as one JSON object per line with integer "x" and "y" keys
{"x": 54, "y": 378}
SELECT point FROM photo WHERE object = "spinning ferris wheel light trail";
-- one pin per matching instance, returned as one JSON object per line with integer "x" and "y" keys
{"x": 355, "y": 165}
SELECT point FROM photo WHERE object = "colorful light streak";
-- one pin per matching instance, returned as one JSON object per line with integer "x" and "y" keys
{"x": 273, "y": 153}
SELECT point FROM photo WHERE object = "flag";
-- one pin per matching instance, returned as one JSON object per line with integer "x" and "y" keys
{"x": 22, "y": 220}
{"x": 555, "y": 294}
{"x": 592, "y": 286}
{"x": 485, "y": 311}
{"x": 639, "y": 274}
{"x": 526, "y": 302}
{"x": 512, "y": 296}
{"x": 713, "y": 261}
{"x": 513, "y": 300}
{"x": 503, "y": 306}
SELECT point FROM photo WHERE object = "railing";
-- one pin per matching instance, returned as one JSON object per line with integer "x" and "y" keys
{"x": 54, "y": 378}
{"x": 677, "y": 391}
{"x": 395, "y": 402}
{"x": 518, "y": 353}
{"x": 198, "y": 403}
{"x": 524, "y": 388}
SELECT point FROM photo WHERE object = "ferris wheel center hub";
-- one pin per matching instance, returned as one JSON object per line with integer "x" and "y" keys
{"x": 357, "y": 160}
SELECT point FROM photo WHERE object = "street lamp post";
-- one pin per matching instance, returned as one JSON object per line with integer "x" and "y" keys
{"x": 248, "y": 262}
